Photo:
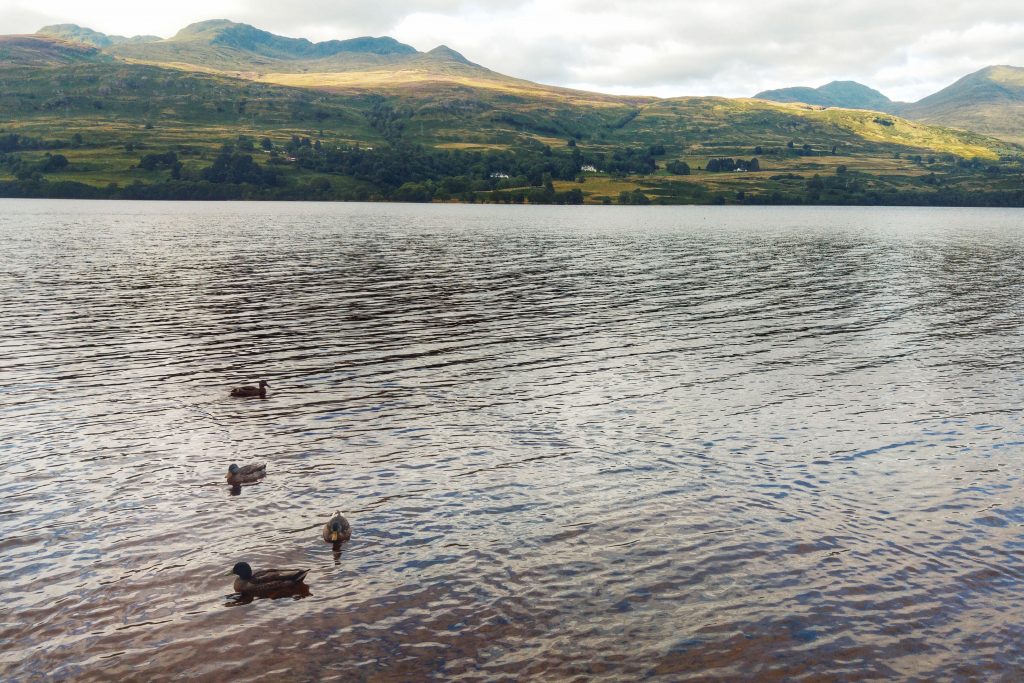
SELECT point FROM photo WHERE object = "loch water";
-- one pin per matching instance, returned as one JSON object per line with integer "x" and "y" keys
{"x": 574, "y": 443}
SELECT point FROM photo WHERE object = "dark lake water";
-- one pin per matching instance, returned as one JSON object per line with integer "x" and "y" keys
{"x": 601, "y": 443}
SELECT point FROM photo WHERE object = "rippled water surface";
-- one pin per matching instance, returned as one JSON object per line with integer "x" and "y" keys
{"x": 573, "y": 443}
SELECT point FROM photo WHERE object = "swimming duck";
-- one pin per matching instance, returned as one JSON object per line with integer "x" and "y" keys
{"x": 337, "y": 529}
{"x": 265, "y": 580}
{"x": 249, "y": 391}
{"x": 246, "y": 474}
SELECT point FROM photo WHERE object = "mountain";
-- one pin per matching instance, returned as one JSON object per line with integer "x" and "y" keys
{"x": 226, "y": 46}
{"x": 845, "y": 94}
{"x": 445, "y": 52}
{"x": 87, "y": 36}
{"x": 230, "y": 47}
{"x": 221, "y": 32}
{"x": 374, "y": 118}
{"x": 382, "y": 64}
{"x": 990, "y": 101}
{"x": 213, "y": 77}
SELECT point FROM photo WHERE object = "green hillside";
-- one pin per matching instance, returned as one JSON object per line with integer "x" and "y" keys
{"x": 222, "y": 111}
{"x": 990, "y": 101}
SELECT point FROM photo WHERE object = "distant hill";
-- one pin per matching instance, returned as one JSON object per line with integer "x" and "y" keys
{"x": 990, "y": 101}
{"x": 845, "y": 94}
{"x": 87, "y": 36}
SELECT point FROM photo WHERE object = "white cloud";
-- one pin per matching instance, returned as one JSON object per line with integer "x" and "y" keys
{"x": 661, "y": 47}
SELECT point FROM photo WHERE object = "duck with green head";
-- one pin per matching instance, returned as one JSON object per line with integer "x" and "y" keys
{"x": 246, "y": 474}
{"x": 265, "y": 580}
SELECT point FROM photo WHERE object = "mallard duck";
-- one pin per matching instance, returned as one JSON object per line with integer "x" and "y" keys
{"x": 249, "y": 391}
{"x": 246, "y": 474}
{"x": 337, "y": 529}
{"x": 265, "y": 580}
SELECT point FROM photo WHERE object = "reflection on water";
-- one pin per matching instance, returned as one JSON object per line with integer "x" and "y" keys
{"x": 297, "y": 592}
{"x": 709, "y": 444}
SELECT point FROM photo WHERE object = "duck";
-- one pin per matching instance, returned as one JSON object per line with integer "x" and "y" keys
{"x": 247, "y": 474}
{"x": 265, "y": 580}
{"x": 249, "y": 391}
{"x": 337, "y": 530}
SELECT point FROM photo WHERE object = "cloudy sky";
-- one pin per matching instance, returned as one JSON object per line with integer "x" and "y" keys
{"x": 905, "y": 48}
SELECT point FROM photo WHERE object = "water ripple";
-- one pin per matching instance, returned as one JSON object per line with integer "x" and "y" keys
{"x": 611, "y": 444}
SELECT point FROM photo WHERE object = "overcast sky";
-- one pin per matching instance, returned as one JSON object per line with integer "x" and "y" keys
{"x": 905, "y": 48}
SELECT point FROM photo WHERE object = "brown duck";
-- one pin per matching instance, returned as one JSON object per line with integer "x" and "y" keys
{"x": 247, "y": 474}
{"x": 337, "y": 529}
{"x": 250, "y": 391}
{"x": 265, "y": 580}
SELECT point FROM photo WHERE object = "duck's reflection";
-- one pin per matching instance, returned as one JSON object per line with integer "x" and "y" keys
{"x": 296, "y": 592}
{"x": 236, "y": 489}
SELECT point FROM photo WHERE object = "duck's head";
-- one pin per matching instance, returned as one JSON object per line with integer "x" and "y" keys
{"x": 264, "y": 383}
{"x": 233, "y": 469}
{"x": 243, "y": 570}
{"x": 335, "y": 526}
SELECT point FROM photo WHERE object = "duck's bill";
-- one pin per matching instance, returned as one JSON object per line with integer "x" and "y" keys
{"x": 334, "y": 536}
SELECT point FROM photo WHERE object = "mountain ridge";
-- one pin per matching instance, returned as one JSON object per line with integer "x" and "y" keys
{"x": 990, "y": 101}
{"x": 846, "y": 94}
{"x": 80, "y": 34}
{"x": 339, "y": 120}
{"x": 230, "y": 34}
{"x": 243, "y": 36}
{"x": 443, "y": 87}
